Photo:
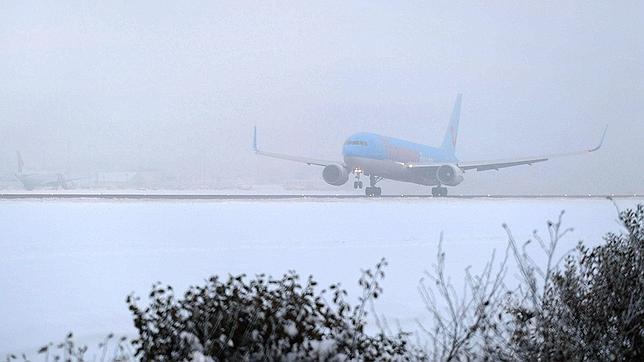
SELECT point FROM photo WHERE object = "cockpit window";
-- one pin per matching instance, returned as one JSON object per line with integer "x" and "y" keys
{"x": 356, "y": 143}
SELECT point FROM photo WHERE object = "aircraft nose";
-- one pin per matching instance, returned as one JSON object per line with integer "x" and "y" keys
{"x": 350, "y": 150}
{"x": 346, "y": 151}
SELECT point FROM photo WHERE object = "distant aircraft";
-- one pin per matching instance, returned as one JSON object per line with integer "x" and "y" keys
{"x": 381, "y": 157}
{"x": 32, "y": 180}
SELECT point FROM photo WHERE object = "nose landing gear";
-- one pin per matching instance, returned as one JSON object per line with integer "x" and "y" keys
{"x": 357, "y": 184}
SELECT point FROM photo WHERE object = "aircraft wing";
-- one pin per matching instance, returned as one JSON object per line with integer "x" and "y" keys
{"x": 308, "y": 161}
{"x": 78, "y": 178}
{"x": 497, "y": 164}
{"x": 61, "y": 179}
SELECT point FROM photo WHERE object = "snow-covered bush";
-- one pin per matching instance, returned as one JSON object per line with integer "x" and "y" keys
{"x": 593, "y": 309}
{"x": 262, "y": 319}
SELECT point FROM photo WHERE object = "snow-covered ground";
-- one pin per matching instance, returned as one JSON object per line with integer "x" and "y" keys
{"x": 68, "y": 265}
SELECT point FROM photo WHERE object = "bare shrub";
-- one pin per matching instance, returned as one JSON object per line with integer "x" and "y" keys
{"x": 110, "y": 349}
{"x": 466, "y": 324}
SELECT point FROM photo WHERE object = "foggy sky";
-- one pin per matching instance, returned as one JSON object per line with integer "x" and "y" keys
{"x": 177, "y": 87}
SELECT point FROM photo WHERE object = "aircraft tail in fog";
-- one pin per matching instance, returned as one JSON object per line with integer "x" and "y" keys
{"x": 40, "y": 179}
{"x": 449, "y": 140}
{"x": 21, "y": 164}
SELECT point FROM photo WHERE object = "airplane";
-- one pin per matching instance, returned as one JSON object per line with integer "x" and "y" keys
{"x": 32, "y": 180}
{"x": 380, "y": 157}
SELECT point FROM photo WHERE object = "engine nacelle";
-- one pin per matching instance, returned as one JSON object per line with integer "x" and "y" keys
{"x": 450, "y": 175}
{"x": 335, "y": 175}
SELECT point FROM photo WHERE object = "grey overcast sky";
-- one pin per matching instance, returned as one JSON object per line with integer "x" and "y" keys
{"x": 177, "y": 86}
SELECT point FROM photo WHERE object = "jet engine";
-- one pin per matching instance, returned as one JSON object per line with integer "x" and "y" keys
{"x": 450, "y": 175}
{"x": 335, "y": 175}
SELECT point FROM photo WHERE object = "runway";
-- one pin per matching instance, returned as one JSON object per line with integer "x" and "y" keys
{"x": 197, "y": 196}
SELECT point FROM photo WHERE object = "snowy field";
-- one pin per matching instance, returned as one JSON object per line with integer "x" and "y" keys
{"x": 68, "y": 265}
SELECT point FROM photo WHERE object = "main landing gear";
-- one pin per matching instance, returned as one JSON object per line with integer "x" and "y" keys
{"x": 372, "y": 190}
{"x": 439, "y": 191}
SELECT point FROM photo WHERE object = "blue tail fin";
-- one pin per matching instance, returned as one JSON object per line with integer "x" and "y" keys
{"x": 449, "y": 141}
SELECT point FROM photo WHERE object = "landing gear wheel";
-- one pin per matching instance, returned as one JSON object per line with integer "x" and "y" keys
{"x": 373, "y": 191}
{"x": 439, "y": 191}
